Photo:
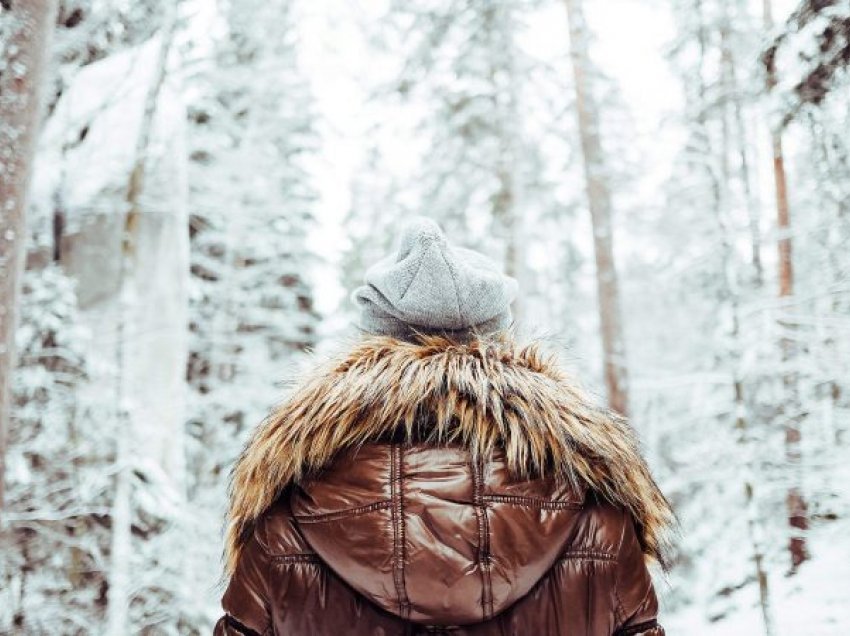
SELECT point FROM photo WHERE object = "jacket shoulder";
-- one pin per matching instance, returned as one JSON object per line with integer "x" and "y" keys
{"x": 600, "y": 528}
{"x": 278, "y": 533}
{"x": 608, "y": 532}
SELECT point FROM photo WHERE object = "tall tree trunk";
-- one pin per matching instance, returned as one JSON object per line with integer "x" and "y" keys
{"x": 121, "y": 540}
{"x": 796, "y": 506}
{"x": 25, "y": 56}
{"x": 599, "y": 202}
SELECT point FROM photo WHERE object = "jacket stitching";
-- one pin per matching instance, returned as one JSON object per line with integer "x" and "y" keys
{"x": 619, "y": 613}
{"x": 484, "y": 557}
{"x": 397, "y": 512}
{"x": 531, "y": 502}
{"x": 619, "y": 607}
{"x": 589, "y": 555}
{"x": 343, "y": 514}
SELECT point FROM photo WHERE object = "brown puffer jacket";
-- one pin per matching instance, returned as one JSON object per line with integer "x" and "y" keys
{"x": 438, "y": 488}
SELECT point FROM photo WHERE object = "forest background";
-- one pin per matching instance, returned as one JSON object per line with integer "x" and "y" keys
{"x": 190, "y": 188}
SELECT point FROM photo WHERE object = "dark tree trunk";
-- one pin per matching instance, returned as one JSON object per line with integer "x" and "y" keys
{"x": 795, "y": 502}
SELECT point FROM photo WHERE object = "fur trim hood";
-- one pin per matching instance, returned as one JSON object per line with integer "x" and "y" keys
{"x": 486, "y": 394}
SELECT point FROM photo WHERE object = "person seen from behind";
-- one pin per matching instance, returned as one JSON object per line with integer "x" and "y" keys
{"x": 438, "y": 477}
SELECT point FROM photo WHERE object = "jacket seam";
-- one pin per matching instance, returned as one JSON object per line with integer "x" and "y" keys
{"x": 344, "y": 514}
{"x": 484, "y": 557}
{"x": 532, "y": 502}
{"x": 397, "y": 520}
{"x": 259, "y": 535}
{"x": 589, "y": 607}
{"x": 619, "y": 613}
{"x": 589, "y": 555}
{"x": 619, "y": 607}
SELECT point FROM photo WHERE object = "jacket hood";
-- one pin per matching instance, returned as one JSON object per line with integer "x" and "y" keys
{"x": 430, "y": 535}
{"x": 496, "y": 400}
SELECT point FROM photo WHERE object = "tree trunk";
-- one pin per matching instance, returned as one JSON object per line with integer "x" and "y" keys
{"x": 795, "y": 502}
{"x": 25, "y": 56}
{"x": 599, "y": 202}
{"x": 122, "y": 512}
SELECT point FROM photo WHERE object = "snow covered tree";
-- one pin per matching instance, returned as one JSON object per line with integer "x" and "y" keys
{"x": 714, "y": 271}
{"x": 26, "y": 29}
{"x": 466, "y": 65}
{"x": 482, "y": 113}
{"x": 724, "y": 282}
{"x": 113, "y": 141}
{"x": 252, "y": 307}
{"x": 795, "y": 502}
{"x": 810, "y": 52}
{"x": 58, "y": 490}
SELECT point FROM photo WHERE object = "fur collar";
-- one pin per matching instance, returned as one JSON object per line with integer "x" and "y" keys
{"x": 486, "y": 393}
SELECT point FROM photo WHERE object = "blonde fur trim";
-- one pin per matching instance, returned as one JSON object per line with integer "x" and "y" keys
{"x": 484, "y": 394}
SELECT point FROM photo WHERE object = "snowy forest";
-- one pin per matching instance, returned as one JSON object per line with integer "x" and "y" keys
{"x": 190, "y": 189}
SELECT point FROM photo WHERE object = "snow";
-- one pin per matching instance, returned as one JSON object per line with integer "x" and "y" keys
{"x": 107, "y": 100}
{"x": 104, "y": 104}
{"x": 359, "y": 123}
{"x": 814, "y": 602}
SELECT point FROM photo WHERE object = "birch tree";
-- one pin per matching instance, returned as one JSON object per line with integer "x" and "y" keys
{"x": 27, "y": 27}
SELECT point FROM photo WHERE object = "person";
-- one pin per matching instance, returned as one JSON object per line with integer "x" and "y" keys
{"x": 439, "y": 478}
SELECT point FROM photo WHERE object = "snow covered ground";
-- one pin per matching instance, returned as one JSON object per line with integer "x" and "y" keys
{"x": 813, "y": 602}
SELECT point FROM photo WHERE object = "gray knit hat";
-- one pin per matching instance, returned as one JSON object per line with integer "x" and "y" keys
{"x": 430, "y": 286}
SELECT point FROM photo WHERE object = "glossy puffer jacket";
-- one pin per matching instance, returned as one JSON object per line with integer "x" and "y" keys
{"x": 442, "y": 488}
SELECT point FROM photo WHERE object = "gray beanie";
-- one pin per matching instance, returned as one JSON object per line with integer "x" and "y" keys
{"x": 430, "y": 286}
